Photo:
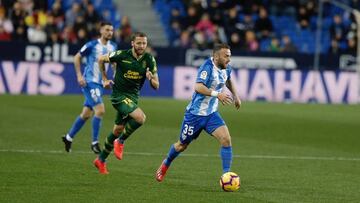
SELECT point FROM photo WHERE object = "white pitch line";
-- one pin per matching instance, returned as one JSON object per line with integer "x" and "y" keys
{"x": 195, "y": 155}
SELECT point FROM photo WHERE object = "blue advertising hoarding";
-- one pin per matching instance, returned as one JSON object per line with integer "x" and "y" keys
{"x": 301, "y": 86}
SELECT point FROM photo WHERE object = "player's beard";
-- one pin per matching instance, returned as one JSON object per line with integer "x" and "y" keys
{"x": 108, "y": 37}
{"x": 139, "y": 52}
{"x": 222, "y": 64}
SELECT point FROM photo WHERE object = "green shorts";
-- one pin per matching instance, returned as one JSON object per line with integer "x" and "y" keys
{"x": 123, "y": 106}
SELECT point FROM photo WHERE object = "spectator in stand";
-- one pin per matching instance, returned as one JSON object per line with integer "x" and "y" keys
{"x": 351, "y": 46}
{"x": 27, "y": 6}
{"x": 235, "y": 41}
{"x": 184, "y": 41}
{"x": 54, "y": 38}
{"x": 198, "y": 5}
{"x": 274, "y": 45}
{"x": 68, "y": 35}
{"x": 4, "y": 36}
{"x": 58, "y": 14}
{"x": 215, "y": 12}
{"x": 310, "y": 7}
{"x": 176, "y": 16}
{"x": 334, "y": 47}
{"x": 216, "y": 38}
{"x": 50, "y": 26}
{"x": 263, "y": 25}
{"x": 20, "y": 34}
{"x": 287, "y": 45}
{"x": 175, "y": 31}
{"x": 338, "y": 30}
{"x": 126, "y": 30}
{"x": 303, "y": 17}
{"x": 200, "y": 40}
{"x": 73, "y": 13}
{"x": 81, "y": 36}
{"x": 192, "y": 18}
{"x": 251, "y": 43}
{"x": 91, "y": 17}
{"x": 36, "y": 34}
{"x": 206, "y": 26}
{"x": 17, "y": 15}
{"x": 231, "y": 21}
{"x": 246, "y": 24}
{"x": 6, "y": 25}
{"x": 79, "y": 23}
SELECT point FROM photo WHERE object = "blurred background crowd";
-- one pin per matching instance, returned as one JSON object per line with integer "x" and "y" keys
{"x": 256, "y": 25}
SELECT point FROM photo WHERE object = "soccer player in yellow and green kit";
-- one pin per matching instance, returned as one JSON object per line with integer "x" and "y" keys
{"x": 133, "y": 68}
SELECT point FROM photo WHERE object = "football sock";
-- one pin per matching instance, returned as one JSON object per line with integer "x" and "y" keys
{"x": 96, "y": 123}
{"x": 226, "y": 157}
{"x": 108, "y": 147}
{"x": 78, "y": 123}
{"x": 171, "y": 156}
{"x": 130, "y": 127}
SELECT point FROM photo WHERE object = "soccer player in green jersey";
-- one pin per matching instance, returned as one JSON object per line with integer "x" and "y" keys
{"x": 133, "y": 68}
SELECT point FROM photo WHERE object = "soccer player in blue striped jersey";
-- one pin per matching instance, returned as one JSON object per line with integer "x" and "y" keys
{"x": 202, "y": 112}
{"x": 91, "y": 85}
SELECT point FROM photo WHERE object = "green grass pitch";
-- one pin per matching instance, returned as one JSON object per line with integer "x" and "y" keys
{"x": 282, "y": 152}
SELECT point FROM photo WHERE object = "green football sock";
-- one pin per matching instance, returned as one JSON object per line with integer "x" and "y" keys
{"x": 108, "y": 147}
{"x": 130, "y": 127}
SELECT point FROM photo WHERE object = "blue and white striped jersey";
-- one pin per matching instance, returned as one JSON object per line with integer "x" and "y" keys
{"x": 92, "y": 50}
{"x": 213, "y": 78}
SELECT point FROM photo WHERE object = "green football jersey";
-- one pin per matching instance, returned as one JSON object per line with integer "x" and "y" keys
{"x": 130, "y": 73}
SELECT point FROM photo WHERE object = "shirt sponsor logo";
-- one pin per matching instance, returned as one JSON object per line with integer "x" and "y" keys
{"x": 133, "y": 75}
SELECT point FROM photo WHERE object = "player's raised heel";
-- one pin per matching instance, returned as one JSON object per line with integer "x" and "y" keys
{"x": 101, "y": 166}
{"x": 118, "y": 149}
{"x": 67, "y": 144}
{"x": 161, "y": 172}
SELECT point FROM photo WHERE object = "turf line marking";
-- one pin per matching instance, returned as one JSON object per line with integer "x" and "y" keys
{"x": 194, "y": 155}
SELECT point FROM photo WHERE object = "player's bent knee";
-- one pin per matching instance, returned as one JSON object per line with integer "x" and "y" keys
{"x": 225, "y": 141}
{"x": 140, "y": 119}
{"x": 100, "y": 113}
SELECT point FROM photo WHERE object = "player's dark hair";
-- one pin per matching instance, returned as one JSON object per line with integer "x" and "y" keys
{"x": 105, "y": 23}
{"x": 218, "y": 47}
{"x": 137, "y": 34}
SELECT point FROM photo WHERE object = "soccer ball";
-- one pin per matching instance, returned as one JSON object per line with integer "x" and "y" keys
{"x": 230, "y": 182}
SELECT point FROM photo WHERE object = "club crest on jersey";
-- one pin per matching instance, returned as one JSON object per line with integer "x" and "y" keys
{"x": 203, "y": 75}
{"x": 144, "y": 64}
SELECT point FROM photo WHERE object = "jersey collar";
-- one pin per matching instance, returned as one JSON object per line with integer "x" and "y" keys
{"x": 212, "y": 61}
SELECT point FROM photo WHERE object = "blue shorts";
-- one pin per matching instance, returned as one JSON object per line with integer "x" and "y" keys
{"x": 193, "y": 125}
{"x": 93, "y": 94}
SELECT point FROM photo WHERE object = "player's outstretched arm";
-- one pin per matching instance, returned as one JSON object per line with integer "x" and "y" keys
{"x": 230, "y": 85}
{"x": 223, "y": 97}
{"x": 102, "y": 60}
{"x": 77, "y": 65}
